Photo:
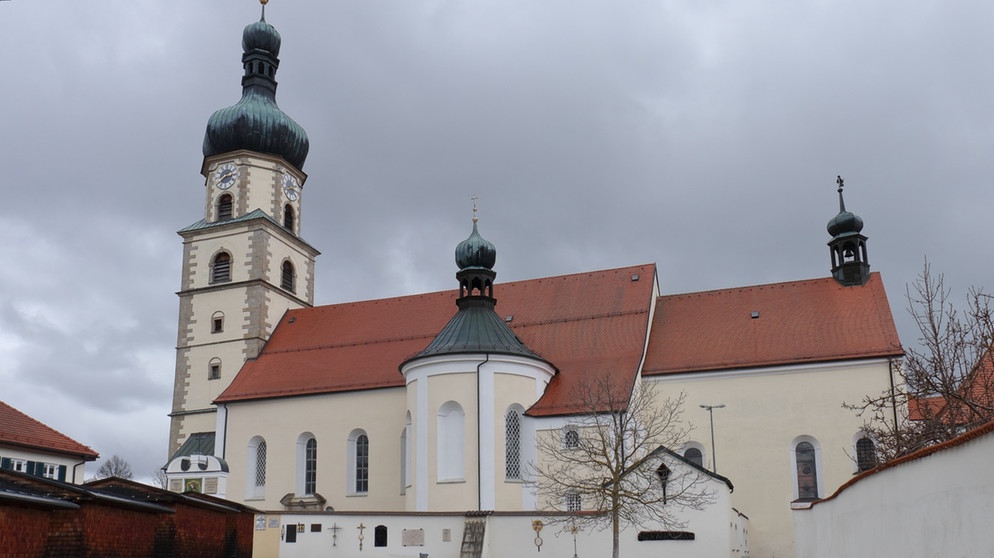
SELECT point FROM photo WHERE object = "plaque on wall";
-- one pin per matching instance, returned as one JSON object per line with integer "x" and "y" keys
{"x": 413, "y": 537}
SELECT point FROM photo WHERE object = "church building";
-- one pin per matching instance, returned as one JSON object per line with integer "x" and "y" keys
{"x": 435, "y": 402}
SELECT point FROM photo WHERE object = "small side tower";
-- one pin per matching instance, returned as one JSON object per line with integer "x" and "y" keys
{"x": 850, "y": 265}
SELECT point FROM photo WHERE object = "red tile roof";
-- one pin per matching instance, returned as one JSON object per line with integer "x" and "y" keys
{"x": 815, "y": 320}
{"x": 584, "y": 324}
{"x": 18, "y": 429}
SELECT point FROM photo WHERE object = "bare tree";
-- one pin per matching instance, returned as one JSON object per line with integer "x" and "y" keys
{"x": 116, "y": 466}
{"x": 159, "y": 479}
{"x": 945, "y": 384}
{"x": 604, "y": 458}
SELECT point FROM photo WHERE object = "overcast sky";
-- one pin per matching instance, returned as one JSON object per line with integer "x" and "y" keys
{"x": 702, "y": 136}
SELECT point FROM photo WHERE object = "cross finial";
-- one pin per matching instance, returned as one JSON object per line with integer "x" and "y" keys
{"x": 474, "y": 198}
{"x": 840, "y": 182}
{"x": 263, "y": 2}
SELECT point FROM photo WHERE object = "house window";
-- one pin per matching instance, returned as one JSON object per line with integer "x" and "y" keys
{"x": 571, "y": 437}
{"x": 19, "y": 465}
{"x": 217, "y": 322}
{"x": 807, "y": 471}
{"x": 512, "y": 443}
{"x": 224, "y": 207}
{"x": 288, "y": 217}
{"x": 573, "y": 501}
{"x": 287, "y": 279}
{"x": 214, "y": 369}
{"x": 358, "y": 472}
{"x": 866, "y": 454}
{"x": 51, "y": 471}
{"x": 663, "y": 472}
{"x": 257, "y": 468}
{"x": 451, "y": 426}
{"x": 695, "y": 456}
{"x": 380, "y": 535}
{"x": 221, "y": 268}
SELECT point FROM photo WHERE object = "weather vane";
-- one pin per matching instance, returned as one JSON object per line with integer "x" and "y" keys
{"x": 474, "y": 198}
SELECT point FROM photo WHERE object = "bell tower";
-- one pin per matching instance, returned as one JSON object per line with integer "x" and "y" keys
{"x": 244, "y": 263}
{"x": 850, "y": 265}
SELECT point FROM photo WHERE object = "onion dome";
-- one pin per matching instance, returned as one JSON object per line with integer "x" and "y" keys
{"x": 845, "y": 221}
{"x": 256, "y": 123}
{"x": 476, "y": 328}
{"x": 476, "y": 251}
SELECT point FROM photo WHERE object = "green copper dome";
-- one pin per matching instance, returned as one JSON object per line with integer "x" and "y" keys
{"x": 845, "y": 221}
{"x": 476, "y": 251}
{"x": 255, "y": 122}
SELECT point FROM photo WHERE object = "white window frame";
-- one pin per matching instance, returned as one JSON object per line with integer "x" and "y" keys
{"x": 301, "y": 482}
{"x": 350, "y": 466}
{"x": 253, "y": 490}
{"x": 19, "y": 465}
{"x": 51, "y": 471}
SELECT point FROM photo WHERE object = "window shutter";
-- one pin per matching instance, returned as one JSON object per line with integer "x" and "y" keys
{"x": 5, "y": 463}
{"x": 62, "y": 473}
{"x": 36, "y": 468}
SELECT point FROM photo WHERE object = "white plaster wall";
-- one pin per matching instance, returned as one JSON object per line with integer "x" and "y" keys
{"x": 331, "y": 418}
{"x": 765, "y": 410}
{"x": 939, "y": 505}
{"x": 15, "y": 452}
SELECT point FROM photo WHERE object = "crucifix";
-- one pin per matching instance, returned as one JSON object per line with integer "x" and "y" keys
{"x": 361, "y": 528}
{"x": 334, "y": 533}
{"x": 474, "y": 198}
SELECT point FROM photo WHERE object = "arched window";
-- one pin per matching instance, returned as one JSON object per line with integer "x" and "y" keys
{"x": 288, "y": 217}
{"x": 512, "y": 442}
{"x": 573, "y": 501}
{"x": 694, "y": 455}
{"x": 217, "y": 322}
{"x": 663, "y": 472}
{"x": 451, "y": 427}
{"x": 287, "y": 279}
{"x": 214, "y": 369}
{"x": 358, "y": 464}
{"x": 380, "y": 535}
{"x": 866, "y": 454}
{"x": 571, "y": 437}
{"x": 807, "y": 471}
{"x": 224, "y": 207}
{"x": 307, "y": 464}
{"x": 256, "y": 467}
{"x": 221, "y": 268}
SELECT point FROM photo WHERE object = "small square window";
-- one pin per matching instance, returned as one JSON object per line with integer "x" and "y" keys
{"x": 217, "y": 325}
{"x": 215, "y": 373}
{"x": 51, "y": 471}
{"x": 315, "y": 527}
{"x": 19, "y": 465}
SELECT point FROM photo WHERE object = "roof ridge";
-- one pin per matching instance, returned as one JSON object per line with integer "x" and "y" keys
{"x": 754, "y": 287}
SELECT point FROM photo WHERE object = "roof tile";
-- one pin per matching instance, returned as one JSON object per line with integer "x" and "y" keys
{"x": 17, "y": 428}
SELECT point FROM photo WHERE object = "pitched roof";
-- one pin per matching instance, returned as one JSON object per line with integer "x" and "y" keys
{"x": 18, "y": 429}
{"x": 816, "y": 320}
{"x": 582, "y": 323}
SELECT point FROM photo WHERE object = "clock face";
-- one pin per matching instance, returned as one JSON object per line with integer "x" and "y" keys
{"x": 290, "y": 187}
{"x": 225, "y": 176}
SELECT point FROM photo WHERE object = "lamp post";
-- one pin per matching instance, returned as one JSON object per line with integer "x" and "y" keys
{"x": 711, "y": 408}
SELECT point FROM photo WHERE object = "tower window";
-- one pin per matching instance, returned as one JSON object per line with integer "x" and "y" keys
{"x": 214, "y": 369}
{"x": 288, "y": 217}
{"x": 287, "y": 279}
{"x": 217, "y": 322}
{"x": 221, "y": 268}
{"x": 224, "y": 207}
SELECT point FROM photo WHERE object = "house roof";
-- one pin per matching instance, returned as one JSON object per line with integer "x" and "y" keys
{"x": 18, "y": 429}
{"x": 583, "y": 323}
{"x": 816, "y": 320}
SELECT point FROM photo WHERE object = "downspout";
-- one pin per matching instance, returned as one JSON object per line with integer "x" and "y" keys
{"x": 893, "y": 398}
{"x": 74, "y": 470}
{"x": 479, "y": 438}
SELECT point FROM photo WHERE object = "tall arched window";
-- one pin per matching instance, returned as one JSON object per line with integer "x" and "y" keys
{"x": 307, "y": 464}
{"x": 224, "y": 207}
{"x": 288, "y": 217}
{"x": 256, "y": 467}
{"x": 866, "y": 454}
{"x": 807, "y": 471}
{"x": 287, "y": 280}
{"x": 512, "y": 442}
{"x": 451, "y": 447}
{"x": 358, "y": 464}
{"x": 221, "y": 268}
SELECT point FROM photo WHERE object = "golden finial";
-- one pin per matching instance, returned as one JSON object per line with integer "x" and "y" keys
{"x": 474, "y": 198}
